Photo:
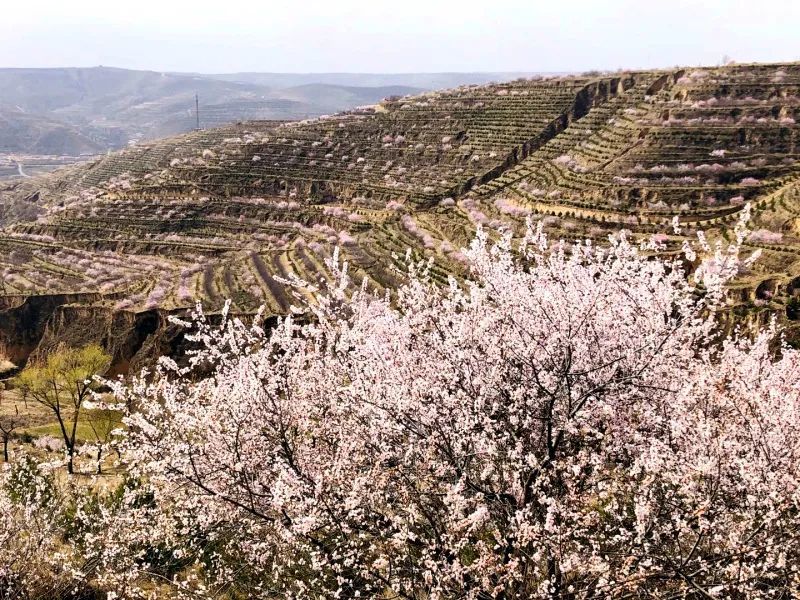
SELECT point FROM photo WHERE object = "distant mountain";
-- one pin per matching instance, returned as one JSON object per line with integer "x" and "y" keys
{"x": 335, "y": 98}
{"x": 425, "y": 81}
{"x": 108, "y": 106}
{"x": 75, "y": 111}
{"x": 36, "y": 134}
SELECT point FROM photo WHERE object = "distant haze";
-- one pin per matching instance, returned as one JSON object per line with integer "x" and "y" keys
{"x": 207, "y": 36}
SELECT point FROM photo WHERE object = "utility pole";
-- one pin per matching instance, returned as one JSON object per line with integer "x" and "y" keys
{"x": 197, "y": 110}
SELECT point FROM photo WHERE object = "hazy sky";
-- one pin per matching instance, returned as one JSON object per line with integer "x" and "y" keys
{"x": 396, "y": 36}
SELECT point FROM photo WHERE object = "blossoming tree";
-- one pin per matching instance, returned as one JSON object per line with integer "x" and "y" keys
{"x": 572, "y": 423}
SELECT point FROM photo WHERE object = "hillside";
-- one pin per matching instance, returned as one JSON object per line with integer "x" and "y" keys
{"x": 36, "y": 134}
{"x": 103, "y": 251}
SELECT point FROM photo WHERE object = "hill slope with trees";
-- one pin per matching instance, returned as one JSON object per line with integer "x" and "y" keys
{"x": 105, "y": 251}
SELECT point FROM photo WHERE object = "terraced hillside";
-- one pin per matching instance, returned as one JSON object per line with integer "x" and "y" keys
{"x": 104, "y": 251}
{"x": 698, "y": 144}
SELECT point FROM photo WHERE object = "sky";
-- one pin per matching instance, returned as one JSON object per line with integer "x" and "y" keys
{"x": 398, "y": 36}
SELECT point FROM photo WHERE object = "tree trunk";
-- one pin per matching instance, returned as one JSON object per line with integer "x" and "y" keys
{"x": 69, "y": 441}
{"x": 67, "y": 445}
{"x": 100, "y": 460}
{"x": 554, "y": 575}
{"x": 5, "y": 448}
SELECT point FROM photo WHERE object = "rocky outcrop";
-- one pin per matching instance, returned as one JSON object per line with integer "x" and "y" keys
{"x": 32, "y": 327}
{"x": 23, "y": 321}
{"x": 121, "y": 333}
